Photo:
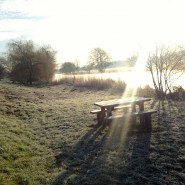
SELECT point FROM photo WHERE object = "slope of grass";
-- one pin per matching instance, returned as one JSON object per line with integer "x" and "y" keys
{"x": 23, "y": 159}
{"x": 47, "y": 136}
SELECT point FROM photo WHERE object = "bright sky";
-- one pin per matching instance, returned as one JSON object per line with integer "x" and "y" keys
{"x": 75, "y": 27}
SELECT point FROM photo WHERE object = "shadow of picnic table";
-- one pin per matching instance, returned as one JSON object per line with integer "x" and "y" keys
{"x": 104, "y": 157}
{"x": 79, "y": 159}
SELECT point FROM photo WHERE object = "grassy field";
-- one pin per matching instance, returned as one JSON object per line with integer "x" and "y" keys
{"x": 48, "y": 136}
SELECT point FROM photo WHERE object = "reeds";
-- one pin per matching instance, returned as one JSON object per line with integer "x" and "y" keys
{"x": 92, "y": 83}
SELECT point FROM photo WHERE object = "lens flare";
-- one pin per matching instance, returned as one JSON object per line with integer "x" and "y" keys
{"x": 122, "y": 126}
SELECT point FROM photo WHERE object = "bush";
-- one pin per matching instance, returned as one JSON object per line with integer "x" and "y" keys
{"x": 177, "y": 94}
{"x": 30, "y": 63}
{"x": 146, "y": 91}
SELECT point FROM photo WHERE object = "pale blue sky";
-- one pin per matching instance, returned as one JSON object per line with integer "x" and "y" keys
{"x": 75, "y": 27}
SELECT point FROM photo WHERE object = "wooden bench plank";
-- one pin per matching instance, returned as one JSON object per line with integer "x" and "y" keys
{"x": 115, "y": 108}
{"x": 114, "y": 117}
{"x": 98, "y": 114}
{"x": 145, "y": 118}
{"x": 122, "y": 107}
{"x": 140, "y": 113}
{"x": 144, "y": 112}
{"x": 95, "y": 111}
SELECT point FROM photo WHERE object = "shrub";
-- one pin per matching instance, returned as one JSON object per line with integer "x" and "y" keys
{"x": 177, "y": 94}
{"x": 30, "y": 63}
{"x": 146, "y": 91}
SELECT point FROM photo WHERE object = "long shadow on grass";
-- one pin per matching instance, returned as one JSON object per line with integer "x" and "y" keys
{"x": 77, "y": 161}
{"x": 139, "y": 165}
{"x": 168, "y": 140}
{"x": 103, "y": 157}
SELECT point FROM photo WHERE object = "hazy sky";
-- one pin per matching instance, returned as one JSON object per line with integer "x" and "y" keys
{"x": 75, "y": 27}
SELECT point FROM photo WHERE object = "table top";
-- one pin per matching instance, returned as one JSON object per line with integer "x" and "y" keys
{"x": 122, "y": 101}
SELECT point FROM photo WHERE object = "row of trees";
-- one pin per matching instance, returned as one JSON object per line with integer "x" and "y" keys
{"x": 165, "y": 64}
{"x": 99, "y": 59}
{"x": 26, "y": 62}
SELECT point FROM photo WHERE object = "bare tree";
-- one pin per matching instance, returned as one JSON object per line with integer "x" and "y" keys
{"x": 166, "y": 65}
{"x": 99, "y": 59}
{"x": 30, "y": 63}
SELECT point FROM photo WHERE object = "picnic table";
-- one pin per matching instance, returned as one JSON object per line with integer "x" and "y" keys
{"x": 107, "y": 107}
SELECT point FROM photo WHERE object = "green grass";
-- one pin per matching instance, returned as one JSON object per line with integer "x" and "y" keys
{"x": 48, "y": 136}
{"x": 22, "y": 157}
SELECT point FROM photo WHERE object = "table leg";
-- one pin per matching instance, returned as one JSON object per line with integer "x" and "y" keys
{"x": 145, "y": 125}
{"x": 109, "y": 111}
{"x": 133, "y": 108}
{"x": 141, "y": 106}
{"x": 101, "y": 116}
{"x": 148, "y": 124}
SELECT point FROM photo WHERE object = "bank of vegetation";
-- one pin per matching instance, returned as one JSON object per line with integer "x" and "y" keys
{"x": 27, "y": 63}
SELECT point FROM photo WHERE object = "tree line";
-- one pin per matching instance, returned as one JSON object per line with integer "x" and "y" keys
{"x": 27, "y": 62}
{"x": 98, "y": 60}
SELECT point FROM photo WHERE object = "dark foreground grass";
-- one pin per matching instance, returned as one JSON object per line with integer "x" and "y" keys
{"x": 47, "y": 136}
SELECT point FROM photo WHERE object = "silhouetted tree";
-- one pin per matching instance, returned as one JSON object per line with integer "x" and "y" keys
{"x": 31, "y": 63}
{"x": 99, "y": 59}
{"x": 68, "y": 67}
{"x": 166, "y": 65}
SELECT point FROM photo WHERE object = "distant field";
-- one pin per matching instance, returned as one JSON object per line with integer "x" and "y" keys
{"x": 48, "y": 136}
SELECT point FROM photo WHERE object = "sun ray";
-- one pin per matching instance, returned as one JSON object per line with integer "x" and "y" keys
{"x": 121, "y": 127}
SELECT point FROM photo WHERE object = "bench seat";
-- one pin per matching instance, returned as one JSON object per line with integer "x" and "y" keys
{"x": 124, "y": 107}
{"x": 95, "y": 111}
{"x": 132, "y": 114}
{"x": 145, "y": 117}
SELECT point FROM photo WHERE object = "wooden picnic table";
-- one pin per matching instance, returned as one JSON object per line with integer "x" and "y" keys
{"x": 110, "y": 105}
